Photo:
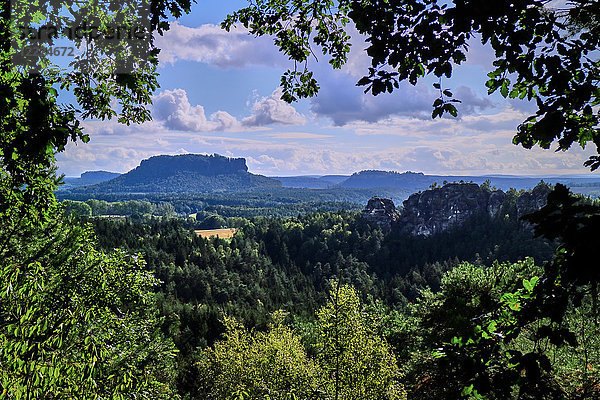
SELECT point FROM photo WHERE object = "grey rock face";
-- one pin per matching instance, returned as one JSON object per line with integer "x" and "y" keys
{"x": 435, "y": 210}
{"x": 380, "y": 211}
{"x": 534, "y": 200}
{"x": 529, "y": 202}
{"x": 495, "y": 201}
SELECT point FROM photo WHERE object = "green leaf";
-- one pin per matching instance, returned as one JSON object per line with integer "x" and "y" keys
{"x": 504, "y": 88}
{"x": 467, "y": 390}
{"x": 534, "y": 280}
{"x": 451, "y": 109}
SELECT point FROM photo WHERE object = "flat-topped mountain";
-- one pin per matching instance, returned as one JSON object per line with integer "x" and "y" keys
{"x": 87, "y": 178}
{"x": 166, "y": 166}
{"x": 186, "y": 173}
{"x": 98, "y": 176}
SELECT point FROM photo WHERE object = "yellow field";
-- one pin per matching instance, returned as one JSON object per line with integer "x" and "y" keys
{"x": 225, "y": 233}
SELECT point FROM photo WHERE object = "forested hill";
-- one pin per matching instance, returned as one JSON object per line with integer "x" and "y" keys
{"x": 415, "y": 181}
{"x": 372, "y": 178}
{"x": 186, "y": 173}
{"x": 89, "y": 178}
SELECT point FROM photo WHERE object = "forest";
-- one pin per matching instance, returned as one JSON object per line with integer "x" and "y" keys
{"x": 272, "y": 296}
{"x": 282, "y": 202}
{"x": 307, "y": 304}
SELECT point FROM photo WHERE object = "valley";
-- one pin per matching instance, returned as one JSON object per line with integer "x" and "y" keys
{"x": 207, "y": 185}
{"x": 400, "y": 250}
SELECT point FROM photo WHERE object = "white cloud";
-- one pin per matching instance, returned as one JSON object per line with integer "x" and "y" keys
{"x": 99, "y": 156}
{"x": 479, "y": 54}
{"x": 174, "y": 110}
{"x": 470, "y": 103}
{"x": 408, "y": 127}
{"x": 212, "y": 45}
{"x": 343, "y": 102}
{"x": 423, "y": 149}
{"x": 112, "y": 127}
{"x": 272, "y": 110}
{"x": 340, "y": 100}
{"x": 499, "y": 125}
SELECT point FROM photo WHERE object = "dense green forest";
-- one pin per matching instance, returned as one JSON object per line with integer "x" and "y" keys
{"x": 282, "y": 202}
{"x": 237, "y": 308}
{"x": 291, "y": 264}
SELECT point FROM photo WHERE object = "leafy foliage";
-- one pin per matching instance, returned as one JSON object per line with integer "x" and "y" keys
{"x": 508, "y": 345}
{"x": 76, "y": 322}
{"x": 470, "y": 340}
{"x": 258, "y": 365}
{"x": 358, "y": 361}
{"x": 274, "y": 263}
{"x": 352, "y": 362}
{"x": 463, "y": 329}
{"x": 296, "y": 26}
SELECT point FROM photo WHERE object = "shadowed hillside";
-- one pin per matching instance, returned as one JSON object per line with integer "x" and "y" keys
{"x": 187, "y": 173}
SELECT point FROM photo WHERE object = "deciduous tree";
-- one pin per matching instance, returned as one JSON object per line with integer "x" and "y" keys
{"x": 75, "y": 323}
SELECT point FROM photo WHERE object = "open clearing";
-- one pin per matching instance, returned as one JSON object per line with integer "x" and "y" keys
{"x": 225, "y": 233}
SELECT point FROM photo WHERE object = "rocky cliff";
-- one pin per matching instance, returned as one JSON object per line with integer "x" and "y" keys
{"x": 533, "y": 200}
{"x": 435, "y": 210}
{"x": 381, "y": 211}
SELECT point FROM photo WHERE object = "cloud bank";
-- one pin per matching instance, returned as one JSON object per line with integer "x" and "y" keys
{"x": 212, "y": 45}
{"x": 173, "y": 109}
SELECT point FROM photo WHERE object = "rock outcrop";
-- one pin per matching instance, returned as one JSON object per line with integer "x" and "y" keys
{"x": 533, "y": 200}
{"x": 381, "y": 211}
{"x": 435, "y": 210}
{"x": 495, "y": 201}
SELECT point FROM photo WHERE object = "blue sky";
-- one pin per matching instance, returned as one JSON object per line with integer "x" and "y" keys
{"x": 219, "y": 94}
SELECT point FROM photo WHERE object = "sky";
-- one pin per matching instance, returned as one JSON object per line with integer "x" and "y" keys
{"x": 220, "y": 94}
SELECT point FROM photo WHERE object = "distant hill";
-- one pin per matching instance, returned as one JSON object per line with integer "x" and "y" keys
{"x": 310, "y": 181}
{"x": 88, "y": 178}
{"x": 415, "y": 181}
{"x": 334, "y": 178}
{"x": 373, "y": 178}
{"x": 186, "y": 173}
{"x": 194, "y": 173}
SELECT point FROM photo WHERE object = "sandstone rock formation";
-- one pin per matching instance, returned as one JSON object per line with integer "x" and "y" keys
{"x": 435, "y": 210}
{"x": 381, "y": 212}
{"x": 534, "y": 200}
{"x": 495, "y": 201}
